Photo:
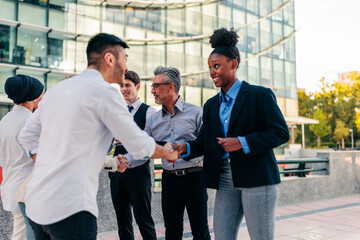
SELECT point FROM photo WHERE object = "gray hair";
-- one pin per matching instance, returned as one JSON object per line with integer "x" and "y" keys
{"x": 172, "y": 75}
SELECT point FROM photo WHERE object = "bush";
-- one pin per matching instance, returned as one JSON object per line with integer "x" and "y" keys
{"x": 324, "y": 145}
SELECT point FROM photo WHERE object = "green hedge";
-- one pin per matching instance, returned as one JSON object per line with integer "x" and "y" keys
{"x": 324, "y": 145}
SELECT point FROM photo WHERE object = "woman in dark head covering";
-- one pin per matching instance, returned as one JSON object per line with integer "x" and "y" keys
{"x": 26, "y": 92}
{"x": 241, "y": 126}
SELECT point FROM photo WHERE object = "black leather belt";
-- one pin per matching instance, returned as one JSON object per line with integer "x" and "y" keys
{"x": 184, "y": 171}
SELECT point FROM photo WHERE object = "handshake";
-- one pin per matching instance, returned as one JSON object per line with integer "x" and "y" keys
{"x": 118, "y": 163}
{"x": 171, "y": 152}
{"x": 174, "y": 151}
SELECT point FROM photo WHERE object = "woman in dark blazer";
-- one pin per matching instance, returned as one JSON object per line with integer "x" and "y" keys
{"x": 241, "y": 126}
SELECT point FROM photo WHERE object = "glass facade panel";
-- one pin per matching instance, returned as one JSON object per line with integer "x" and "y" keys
{"x": 31, "y": 48}
{"x": 136, "y": 59}
{"x": 175, "y": 22}
{"x": 8, "y": 9}
{"x": 4, "y": 74}
{"x": 277, "y": 31}
{"x": 57, "y": 19}
{"x": 265, "y": 37}
{"x": 208, "y": 93}
{"x": 53, "y": 79}
{"x": 193, "y": 21}
{"x": 81, "y": 59}
{"x": 4, "y": 109}
{"x": 265, "y": 7}
{"x": 175, "y": 56}
{"x": 289, "y": 17}
{"x": 28, "y": 11}
{"x": 61, "y": 4}
{"x": 65, "y": 50}
{"x": 278, "y": 15}
{"x": 7, "y": 43}
{"x": 193, "y": 95}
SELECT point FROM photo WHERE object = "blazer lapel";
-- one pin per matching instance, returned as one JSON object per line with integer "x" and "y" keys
{"x": 239, "y": 101}
{"x": 215, "y": 108}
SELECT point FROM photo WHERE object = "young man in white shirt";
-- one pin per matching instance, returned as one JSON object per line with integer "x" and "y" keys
{"x": 71, "y": 133}
{"x": 26, "y": 92}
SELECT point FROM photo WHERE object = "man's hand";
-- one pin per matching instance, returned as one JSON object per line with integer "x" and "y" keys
{"x": 122, "y": 163}
{"x": 170, "y": 154}
{"x": 230, "y": 144}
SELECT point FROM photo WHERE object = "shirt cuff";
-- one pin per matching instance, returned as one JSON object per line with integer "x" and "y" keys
{"x": 244, "y": 144}
{"x": 187, "y": 153}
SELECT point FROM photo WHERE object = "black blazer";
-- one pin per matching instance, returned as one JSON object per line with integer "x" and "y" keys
{"x": 257, "y": 117}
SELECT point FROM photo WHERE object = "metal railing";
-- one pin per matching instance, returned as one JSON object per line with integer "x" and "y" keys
{"x": 301, "y": 169}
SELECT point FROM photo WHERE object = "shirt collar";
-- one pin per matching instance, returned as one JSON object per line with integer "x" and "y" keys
{"x": 179, "y": 105}
{"x": 233, "y": 91}
{"x": 136, "y": 104}
{"x": 20, "y": 108}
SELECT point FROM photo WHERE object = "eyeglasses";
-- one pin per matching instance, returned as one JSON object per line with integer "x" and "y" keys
{"x": 156, "y": 85}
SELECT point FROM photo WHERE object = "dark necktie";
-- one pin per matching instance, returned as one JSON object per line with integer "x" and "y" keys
{"x": 130, "y": 108}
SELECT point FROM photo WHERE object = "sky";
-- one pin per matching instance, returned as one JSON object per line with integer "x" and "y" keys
{"x": 328, "y": 41}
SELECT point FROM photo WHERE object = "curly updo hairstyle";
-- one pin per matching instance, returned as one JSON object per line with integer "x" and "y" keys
{"x": 224, "y": 42}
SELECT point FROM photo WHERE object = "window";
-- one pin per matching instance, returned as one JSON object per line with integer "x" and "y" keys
{"x": 7, "y": 9}
{"x": 31, "y": 48}
{"x": 4, "y": 74}
{"x": 28, "y": 11}
{"x": 7, "y": 41}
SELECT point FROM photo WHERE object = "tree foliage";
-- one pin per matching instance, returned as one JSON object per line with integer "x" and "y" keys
{"x": 341, "y": 132}
{"x": 337, "y": 101}
{"x": 323, "y": 128}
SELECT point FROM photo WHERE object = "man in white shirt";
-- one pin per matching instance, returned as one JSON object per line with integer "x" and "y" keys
{"x": 132, "y": 188}
{"x": 71, "y": 133}
{"x": 26, "y": 92}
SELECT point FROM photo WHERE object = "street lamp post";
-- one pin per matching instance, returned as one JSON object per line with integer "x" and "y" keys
{"x": 352, "y": 138}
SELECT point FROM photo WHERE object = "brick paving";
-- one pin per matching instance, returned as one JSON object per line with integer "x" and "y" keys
{"x": 331, "y": 219}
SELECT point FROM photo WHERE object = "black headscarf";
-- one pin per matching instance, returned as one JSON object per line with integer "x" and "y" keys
{"x": 23, "y": 88}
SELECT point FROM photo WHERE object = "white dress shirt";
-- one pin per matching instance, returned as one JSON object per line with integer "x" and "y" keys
{"x": 135, "y": 163}
{"x": 71, "y": 132}
{"x": 16, "y": 164}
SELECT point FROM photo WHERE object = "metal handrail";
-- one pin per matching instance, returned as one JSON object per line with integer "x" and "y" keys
{"x": 301, "y": 171}
{"x": 303, "y": 160}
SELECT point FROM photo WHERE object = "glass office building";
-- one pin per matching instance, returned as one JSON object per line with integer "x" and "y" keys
{"x": 47, "y": 40}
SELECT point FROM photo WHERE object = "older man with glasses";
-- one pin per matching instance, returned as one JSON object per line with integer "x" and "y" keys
{"x": 182, "y": 185}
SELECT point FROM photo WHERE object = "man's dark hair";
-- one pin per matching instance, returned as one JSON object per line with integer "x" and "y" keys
{"x": 99, "y": 43}
{"x": 132, "y": 76}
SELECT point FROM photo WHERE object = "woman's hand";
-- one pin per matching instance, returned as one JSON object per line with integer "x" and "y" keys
{"x": 230, "y": 144}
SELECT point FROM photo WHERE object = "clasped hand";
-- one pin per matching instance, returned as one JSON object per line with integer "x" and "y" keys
{"x": 171, "y": 154}
{"x": 122, "y": 163}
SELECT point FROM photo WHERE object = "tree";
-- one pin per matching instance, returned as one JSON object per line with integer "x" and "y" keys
{"x": 341, "y": 132}
{"x": 338, "y": 101}
{"x": 323, "y": 128}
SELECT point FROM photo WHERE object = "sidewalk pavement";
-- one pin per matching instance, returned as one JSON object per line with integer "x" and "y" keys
{"x": 331, "y": 219}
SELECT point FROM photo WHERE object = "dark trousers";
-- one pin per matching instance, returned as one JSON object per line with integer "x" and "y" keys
{"x": 178, "y": 193}
{"x": 81, "y": 225}
{"x": 133, "y": 189}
